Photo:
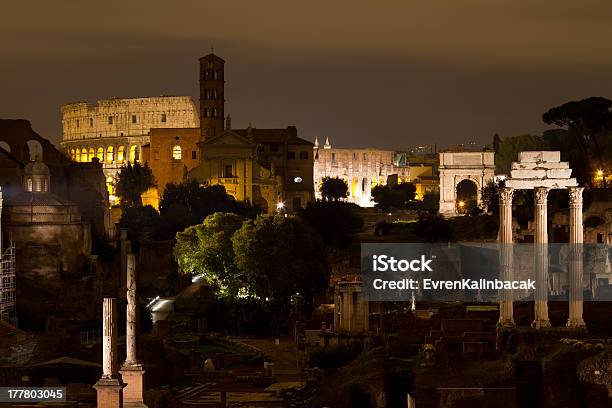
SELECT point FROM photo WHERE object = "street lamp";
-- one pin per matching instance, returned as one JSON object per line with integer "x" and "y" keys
{"x": 279, "y": 206}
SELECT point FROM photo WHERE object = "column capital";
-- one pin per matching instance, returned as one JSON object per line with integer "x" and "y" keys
{"x": 541, "y": 195}
{"x": 575, "y": 196}
{"x": 505, "y": 195}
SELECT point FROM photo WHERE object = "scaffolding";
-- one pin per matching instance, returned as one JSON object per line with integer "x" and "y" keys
{"x": 8, "y": 296}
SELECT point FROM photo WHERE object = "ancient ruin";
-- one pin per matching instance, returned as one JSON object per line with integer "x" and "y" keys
{"x": 109, "y": 387}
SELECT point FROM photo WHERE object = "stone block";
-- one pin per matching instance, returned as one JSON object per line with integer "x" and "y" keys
{"x": 540, "y": 156}
{"x": 528, "y": 174}
{"x": 530, "y": 184}
{"x": 559, "y": 173}
{"x": 539, "y": 166}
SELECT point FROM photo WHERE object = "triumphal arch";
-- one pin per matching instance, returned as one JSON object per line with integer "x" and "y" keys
{"x": 473, "y": 169}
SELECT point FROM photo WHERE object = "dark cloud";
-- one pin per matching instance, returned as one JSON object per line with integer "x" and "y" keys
{"x": 388, "y": 73}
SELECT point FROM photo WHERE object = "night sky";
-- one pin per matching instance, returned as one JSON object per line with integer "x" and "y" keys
{"x": 364, "y": 73}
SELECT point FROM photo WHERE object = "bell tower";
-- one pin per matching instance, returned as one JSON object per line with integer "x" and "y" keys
{"x": 212, "y": 95}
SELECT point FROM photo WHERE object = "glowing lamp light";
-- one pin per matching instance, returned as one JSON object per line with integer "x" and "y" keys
{"x": 461, "y": 204}
{"x": 600, "y": 173}
{"x": 280, "y": 205}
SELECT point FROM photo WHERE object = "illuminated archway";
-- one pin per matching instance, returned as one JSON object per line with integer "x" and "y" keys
{"x": 100, "y": 154}
{"x": 120, "y": 154}
{"x": 110, "y": 154}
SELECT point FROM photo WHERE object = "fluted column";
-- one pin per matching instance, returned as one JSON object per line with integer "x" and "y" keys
{"x": 575, "y": 261}
{"x": 541, "y": 259}
{"x": 109, "y": 339}
{"x": 506, "y": 309}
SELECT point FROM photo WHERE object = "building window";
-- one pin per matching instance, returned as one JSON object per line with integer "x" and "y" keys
{"x": 333, "y": 157}
{"x": 205, "y": 112}
{"x": 303, "y": 155}
{"x": 30, "y": 184}
{"x": 163, "y": 117}
{"x": 110, "y": 120}
{"x": 134, "y": 120}
{"x": 297, "y": 203}
{"x": 120, "y": 154}
{"x": 194, "y": 154}
{"x": 273, "y": 148}
{"x": 177, "y": 153}
{"x": 227, "y": 170}
{"x": 90, "y": 122}
{"x": 214, "y": 112}
{"x": 354, "y": 155}
{"x": 156, "y": 154}
{"x": 290, "y": 155}
{"x": 78, "y": 123}
{"x": 365, "y": 156}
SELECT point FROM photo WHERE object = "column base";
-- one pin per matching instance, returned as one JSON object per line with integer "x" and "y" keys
{"x": 109, "y": 392}
{"x": 506, "y": 323}
{"x": 540, "y": 324}
{"x": 133, "y": 376}
{"x": 577, "y": 324}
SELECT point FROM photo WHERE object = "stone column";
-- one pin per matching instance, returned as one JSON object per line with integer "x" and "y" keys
{"x": 575, "y": 261}
{"x": 132, "y": 371}
{"x": 541, "y": 259}
{"x": 506, "y": 309}
{"x": 109, "y": 387}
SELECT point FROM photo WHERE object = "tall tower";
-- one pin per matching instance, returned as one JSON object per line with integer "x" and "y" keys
{"x": 212, "y": 102}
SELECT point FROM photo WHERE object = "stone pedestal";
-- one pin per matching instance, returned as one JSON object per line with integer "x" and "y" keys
{"x": 576, "y": 239}
{"x": 133, "y": 376}
{"x": 541, "y": 259}
{"x": 506, "y": 309}
{"x": 109, "y": 392}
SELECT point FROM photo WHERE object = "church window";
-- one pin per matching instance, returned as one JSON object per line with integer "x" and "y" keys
{"x": 163, "y": 117}
{"x": 290, "y": 155}
{"x": 110, "y": 120}
{"x": 177, "y": 153}
{"x": 303, "y": 155}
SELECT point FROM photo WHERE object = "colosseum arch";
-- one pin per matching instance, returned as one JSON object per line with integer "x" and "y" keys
{"x": 455, "y": 168}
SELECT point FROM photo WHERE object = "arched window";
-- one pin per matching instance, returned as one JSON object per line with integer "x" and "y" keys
{"x": 134, "y": 154}
{"x": 92, "y": 153}
{"x": 120, "y": 154}
{"x": 84, "y": 154}
{"x": 110, "y": 154}
{"x": 77, "y": 155}
{"x": 30, "y": 183}
{"x": 100, "y": 154}
{"x": 177, "y": 153}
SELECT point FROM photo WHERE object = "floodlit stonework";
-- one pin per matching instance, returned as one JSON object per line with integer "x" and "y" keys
{"x": 363, "y": 169}
{"x": 115, "y": 130}
{"x": 456, "y": 167}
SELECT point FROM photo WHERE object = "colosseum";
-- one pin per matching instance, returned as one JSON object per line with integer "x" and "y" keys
{"x": 114, "y": 130}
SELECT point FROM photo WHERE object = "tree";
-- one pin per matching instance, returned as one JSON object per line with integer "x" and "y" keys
{"x": 490, "y": 196}
{"x": 431, "y": 201}
{"x": 142, "y": 223}
{"x": 510, "y": 147}
{"x": 206, "y": 249}
{"x": 396, "y": 196}
{"x": 336, "y": 222}
{"x": 132, "y": 181}
{"x": 333, "y": 189}
{"x": 280, "y": 256}
{"x": 589, "y": 119}
{"x": 188, "y": 203}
